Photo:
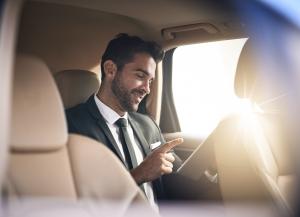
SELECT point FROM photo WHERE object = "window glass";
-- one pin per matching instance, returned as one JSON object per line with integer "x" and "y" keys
{"x": 203, "y": 83}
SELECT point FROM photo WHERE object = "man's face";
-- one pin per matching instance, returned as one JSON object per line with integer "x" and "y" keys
{"x": 132, "y": 83}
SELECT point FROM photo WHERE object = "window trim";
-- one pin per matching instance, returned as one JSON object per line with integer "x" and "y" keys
{"x": 169, "y": 122}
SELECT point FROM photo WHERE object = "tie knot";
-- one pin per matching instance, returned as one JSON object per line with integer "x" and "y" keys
{"x": 122, "y": 122}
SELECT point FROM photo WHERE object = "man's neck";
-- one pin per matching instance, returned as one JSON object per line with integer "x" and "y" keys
{"x": 110, "y": 101}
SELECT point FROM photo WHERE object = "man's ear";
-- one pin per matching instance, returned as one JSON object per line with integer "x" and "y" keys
{"x": 110, "y": 69}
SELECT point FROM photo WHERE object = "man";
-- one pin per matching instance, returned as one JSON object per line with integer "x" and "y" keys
{"x": 128, "y": 68}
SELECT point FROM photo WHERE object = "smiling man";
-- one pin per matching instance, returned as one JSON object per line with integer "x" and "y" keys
{"x": 128, "y": 68}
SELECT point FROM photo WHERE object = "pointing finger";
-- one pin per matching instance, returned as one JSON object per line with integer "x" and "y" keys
{"x": 171, "y": 144}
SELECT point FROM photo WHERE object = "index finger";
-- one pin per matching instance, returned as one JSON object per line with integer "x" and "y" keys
{"x": 170, "y": 144}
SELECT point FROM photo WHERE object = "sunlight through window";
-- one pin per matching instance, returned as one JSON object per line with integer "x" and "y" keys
{"x": 203, "y": 84}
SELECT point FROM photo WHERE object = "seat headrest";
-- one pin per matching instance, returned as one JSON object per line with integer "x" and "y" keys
{"x": 38, "y": 119}
{"x": 246, "y": 73}
{"x": 76, "y": 86}
{"x": 258, "y": 78}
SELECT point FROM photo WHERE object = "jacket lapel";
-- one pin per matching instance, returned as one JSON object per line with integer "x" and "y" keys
{"x": 94, "y": 111}
{"x": 139, "y": 134}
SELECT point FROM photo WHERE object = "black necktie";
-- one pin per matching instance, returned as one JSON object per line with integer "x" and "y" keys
{"x": 127, "y": 145}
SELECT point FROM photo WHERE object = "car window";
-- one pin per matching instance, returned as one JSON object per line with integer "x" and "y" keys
{"x": 202, "y": 83}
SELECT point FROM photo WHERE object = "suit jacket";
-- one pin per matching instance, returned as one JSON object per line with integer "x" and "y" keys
{"x": 85, "y": 119}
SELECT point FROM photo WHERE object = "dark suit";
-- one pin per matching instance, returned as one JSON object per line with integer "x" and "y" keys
{"x": 85, "y": 119}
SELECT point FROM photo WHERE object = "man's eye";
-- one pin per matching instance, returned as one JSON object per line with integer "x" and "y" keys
{"x": 140, "y": 76}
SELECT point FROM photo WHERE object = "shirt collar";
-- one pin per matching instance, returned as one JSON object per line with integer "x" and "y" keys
{"x": 108, "y": 114}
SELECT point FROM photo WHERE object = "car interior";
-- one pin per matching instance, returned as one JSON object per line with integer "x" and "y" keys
{"x": 51, "y": 63}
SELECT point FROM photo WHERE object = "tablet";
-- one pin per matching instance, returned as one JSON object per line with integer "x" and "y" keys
{"x": 199, "y": 161}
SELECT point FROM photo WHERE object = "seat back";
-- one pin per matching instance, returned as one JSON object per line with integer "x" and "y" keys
{"x": 252, "y": 149}
{"x": 39, "y": 162}
{"x": 47, "y": 162}
{"x": 75, "y": 86}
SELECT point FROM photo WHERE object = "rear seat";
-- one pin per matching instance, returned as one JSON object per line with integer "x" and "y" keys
{"x": 47, "y": 162}
{"x": 75, "y": 86}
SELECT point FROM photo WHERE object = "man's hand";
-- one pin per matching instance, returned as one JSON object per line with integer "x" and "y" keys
{"x": 159, "y": 162}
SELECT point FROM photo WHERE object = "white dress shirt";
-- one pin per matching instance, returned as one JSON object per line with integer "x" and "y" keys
{"x": 111, "y": 117}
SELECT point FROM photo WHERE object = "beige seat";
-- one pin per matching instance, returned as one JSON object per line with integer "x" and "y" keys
{"x": 47, "y": 162}
{"x": 75, "y": 86}
{"x": 252, "y": 149}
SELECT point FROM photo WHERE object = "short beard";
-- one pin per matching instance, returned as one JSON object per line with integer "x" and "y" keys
{"x": 123, "y": 95}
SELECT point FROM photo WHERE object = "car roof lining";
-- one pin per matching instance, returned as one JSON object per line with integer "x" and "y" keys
{"x": 168, "y": 13}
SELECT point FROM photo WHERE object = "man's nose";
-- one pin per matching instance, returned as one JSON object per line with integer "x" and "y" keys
{"x": 146, "y": 87}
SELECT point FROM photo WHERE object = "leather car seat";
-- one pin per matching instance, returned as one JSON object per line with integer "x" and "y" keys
{"x": 75, "y": 86}
{"x": 252, "y": 150}
{"x": 47, "y": 162}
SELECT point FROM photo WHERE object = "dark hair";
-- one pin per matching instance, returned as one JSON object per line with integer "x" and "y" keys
{"x": 123, "y": 47}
